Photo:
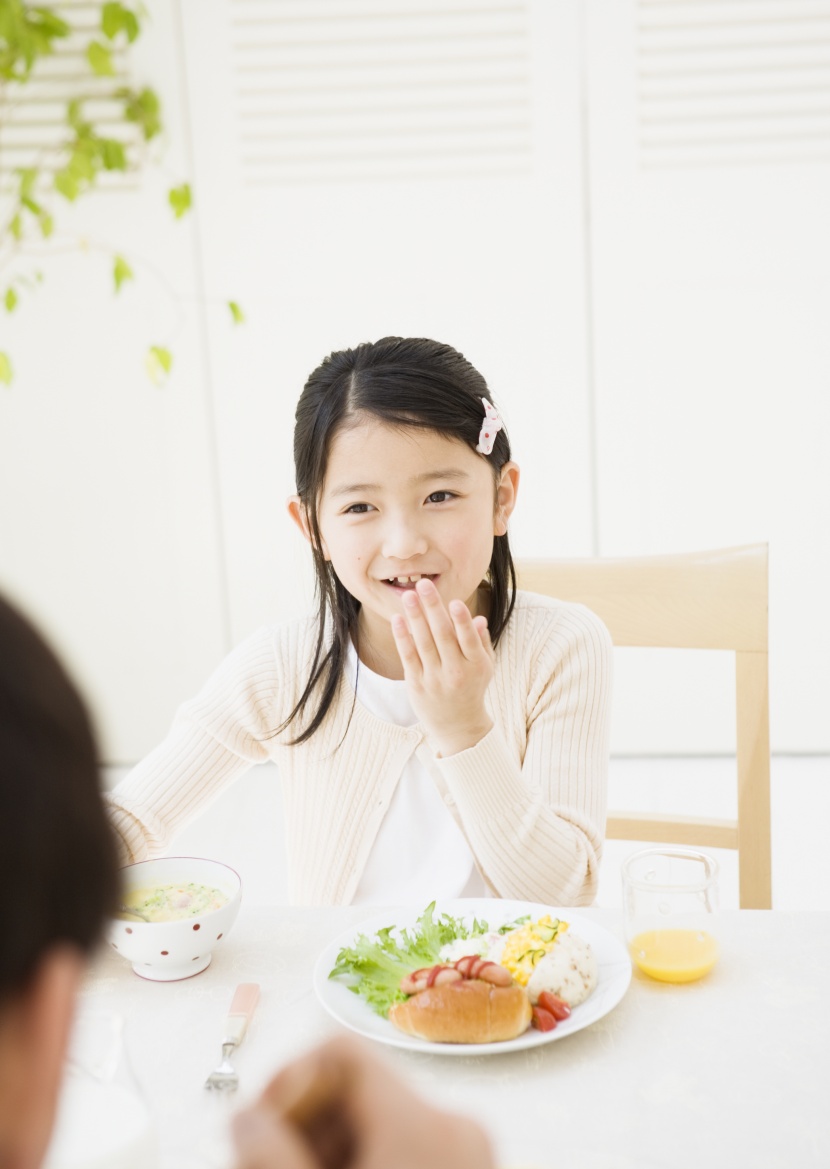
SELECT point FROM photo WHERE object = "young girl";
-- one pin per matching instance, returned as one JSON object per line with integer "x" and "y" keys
{"x": 438, "y": 733}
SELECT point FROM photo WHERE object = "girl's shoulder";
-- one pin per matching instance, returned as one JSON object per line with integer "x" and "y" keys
{"x": 290, "y": 642}
{"x": 271, "y": 655}
{"x": 256, "y": 684}
{"x": 540, "y": 619}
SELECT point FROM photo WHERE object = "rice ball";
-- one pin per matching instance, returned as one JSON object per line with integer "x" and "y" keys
{"x": 569, "y": 971}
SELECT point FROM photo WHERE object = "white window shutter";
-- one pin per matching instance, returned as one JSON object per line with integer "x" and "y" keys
{"x": 732, "y": 82}
{"x": 336, "y": 90}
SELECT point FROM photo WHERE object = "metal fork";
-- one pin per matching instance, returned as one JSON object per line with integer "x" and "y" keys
{"x": 246, "y": 996}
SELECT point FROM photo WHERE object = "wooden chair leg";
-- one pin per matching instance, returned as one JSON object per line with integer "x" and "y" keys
{"x": 752, "y": 685}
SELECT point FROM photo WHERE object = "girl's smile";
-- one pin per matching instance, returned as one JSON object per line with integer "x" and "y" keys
{"x": 398, "y": 505}
{"x": 406, "y": 583}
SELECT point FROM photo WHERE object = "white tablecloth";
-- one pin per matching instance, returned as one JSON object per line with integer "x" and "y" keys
{"x": 731, "y": 1072}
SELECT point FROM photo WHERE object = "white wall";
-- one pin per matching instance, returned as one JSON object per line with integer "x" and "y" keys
{"x": 709, "y": 147}
{"x": 655, "y": 332}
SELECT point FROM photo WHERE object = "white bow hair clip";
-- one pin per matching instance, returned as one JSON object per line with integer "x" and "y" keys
{"x": 490, "y": 427}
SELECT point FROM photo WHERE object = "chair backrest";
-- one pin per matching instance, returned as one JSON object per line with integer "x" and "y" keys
{"x": 698, "y": 600}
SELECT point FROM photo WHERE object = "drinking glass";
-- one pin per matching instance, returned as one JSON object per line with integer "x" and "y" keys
{"x": 670, "y": 903}
{"x": 102, "y": 1117}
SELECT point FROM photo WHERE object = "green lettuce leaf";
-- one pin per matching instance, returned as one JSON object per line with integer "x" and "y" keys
{"x": 373, "y": 967}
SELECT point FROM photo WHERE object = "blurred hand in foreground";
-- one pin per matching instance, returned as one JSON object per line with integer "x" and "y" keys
{"x": 340, "y": 1107}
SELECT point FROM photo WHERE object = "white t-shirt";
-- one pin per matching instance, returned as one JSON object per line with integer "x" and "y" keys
{"x": 420, "y": 854}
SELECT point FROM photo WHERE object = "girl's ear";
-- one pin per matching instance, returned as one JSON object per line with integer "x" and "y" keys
{"x": 299, "y": 514}
{"x": 506, "y": 492}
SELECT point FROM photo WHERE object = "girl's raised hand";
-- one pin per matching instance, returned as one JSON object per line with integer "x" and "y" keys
{"x": 447, "y": 660}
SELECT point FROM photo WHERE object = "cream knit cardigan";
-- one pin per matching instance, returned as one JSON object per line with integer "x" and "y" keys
{"x": 530, "y": 797}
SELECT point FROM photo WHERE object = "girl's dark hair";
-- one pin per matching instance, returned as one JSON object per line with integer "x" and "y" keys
{"x": 406, "y": 382}
{"x": 58, "y": 859}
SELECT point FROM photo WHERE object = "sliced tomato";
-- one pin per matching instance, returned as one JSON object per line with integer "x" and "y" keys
{"x": 553, "y": 1003}
{"x": 543, "y": 1020}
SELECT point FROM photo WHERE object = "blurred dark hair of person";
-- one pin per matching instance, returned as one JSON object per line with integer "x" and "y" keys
{"x": 58, "y": 878}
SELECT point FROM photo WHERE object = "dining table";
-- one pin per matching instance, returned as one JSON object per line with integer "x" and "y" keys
{"x": 729, "y": 1071}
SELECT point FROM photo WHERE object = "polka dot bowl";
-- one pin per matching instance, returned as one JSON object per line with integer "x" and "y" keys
{"x": 166, "y": 951}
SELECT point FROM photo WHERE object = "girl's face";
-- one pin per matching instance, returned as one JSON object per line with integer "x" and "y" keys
{"x": 400, "y": 504}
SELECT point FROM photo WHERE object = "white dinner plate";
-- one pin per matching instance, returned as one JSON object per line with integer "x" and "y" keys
{"x": 353, "y": 1012}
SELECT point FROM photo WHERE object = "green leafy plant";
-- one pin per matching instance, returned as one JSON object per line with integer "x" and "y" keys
{"x": 69, "y": 168}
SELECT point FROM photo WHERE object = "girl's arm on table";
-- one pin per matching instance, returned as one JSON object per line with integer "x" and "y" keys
{"x": 536, "y": 827}
{"x": 214, "y": 739}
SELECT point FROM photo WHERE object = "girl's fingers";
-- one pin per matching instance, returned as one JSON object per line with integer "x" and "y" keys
{"x": 451, "y": 628}
{"x": 434, "y": 635}
{"x": 405, "y": 644}
{"x": 483, "y": 631}
{"x": 421, "y": 629}
{"x": 468, "y": 630}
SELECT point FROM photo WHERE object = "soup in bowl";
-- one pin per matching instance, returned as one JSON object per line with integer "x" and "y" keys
{"x": 189, "y": 904}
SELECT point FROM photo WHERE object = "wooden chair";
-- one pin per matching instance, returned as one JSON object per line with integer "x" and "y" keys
{"x": 700, "y": 600}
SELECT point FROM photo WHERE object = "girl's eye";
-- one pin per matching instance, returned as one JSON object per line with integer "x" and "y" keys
{"x": 440, "y": 496}
{"x": 357, "y": 509}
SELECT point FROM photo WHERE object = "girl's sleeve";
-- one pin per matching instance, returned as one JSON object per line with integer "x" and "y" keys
{"x": 536, "y": 823}
{"x": 215, "y": 737}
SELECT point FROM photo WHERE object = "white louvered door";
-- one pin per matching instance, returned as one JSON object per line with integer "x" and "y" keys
{"x": 710, "y": 193}
{"x": 368, "y": 167}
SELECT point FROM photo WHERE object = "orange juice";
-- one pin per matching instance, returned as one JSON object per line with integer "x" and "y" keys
{"x": 674, "y": 955}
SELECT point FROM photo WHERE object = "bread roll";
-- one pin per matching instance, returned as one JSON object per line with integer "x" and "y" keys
{"x": 471, "y": 1011}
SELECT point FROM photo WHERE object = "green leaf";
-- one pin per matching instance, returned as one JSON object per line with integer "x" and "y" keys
{"x": 5, "y": 369}
{"x": 144, "y": 108}
{"x": 67, "y": 185}
{"x": 113, "y": 154}
{"x": 116, "y": 18}
{"x": 28, "y": 178}
{"x": 10, "y": 300}
{"x": 100, "y": 59}
{"x": 159, "y": 362}
{"x": 74, "y": 116}
{"x": 111, "y": 20}
{"x": 236, "y": 312}
{"x": 121, "y": 271}
{"x": 373, "y": 968}
{"x": 82, "y": 163}
{"x": 32, "y": 206}
{"x": 180, "y": 199}
{"x": 47, "y": 224}
{"x": 49, "y": 23}
{"x": 16, "y": 226}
